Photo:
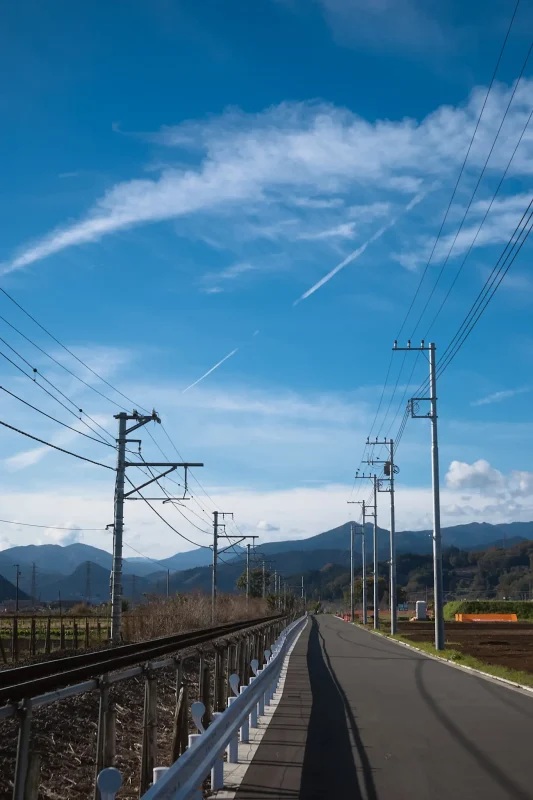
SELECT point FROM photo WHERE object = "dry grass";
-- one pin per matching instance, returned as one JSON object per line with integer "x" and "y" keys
{"x": 165, "y": 615}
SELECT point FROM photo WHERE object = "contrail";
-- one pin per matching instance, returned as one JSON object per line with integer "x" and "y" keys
{"x": 360, "y": 250}
{"x": 209, "y": 371}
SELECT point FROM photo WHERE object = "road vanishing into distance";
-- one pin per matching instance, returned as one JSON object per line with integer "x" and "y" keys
{"x": 364, "y": 718}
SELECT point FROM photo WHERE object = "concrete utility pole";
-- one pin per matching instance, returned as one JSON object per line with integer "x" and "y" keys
{"x": 389, "y": 470}
{"x": 352, "y": 588}
{"x": 363, "y": 556}
{"x": 217, "y": 525}
{"x": 363, "y": 549}
{"x": 413, "y": 406}
{"x": 248, "y": 545}
{"x": 215, "y": 567}
{"x": 374, "y": 514}
{"x": 120, "y": 495}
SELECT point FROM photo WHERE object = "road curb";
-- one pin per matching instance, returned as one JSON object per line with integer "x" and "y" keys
{"x": 450, "y": 663}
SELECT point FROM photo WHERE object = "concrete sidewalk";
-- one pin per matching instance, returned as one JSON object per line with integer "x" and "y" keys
{"x": 361, "y": 717}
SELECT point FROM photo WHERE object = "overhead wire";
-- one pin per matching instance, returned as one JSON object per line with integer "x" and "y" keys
{"x": 51, "y": 527}
{"x": 59, "y": 422}
{"x": 167, "y": 523}
{"x": 55, "y": 447}
{"x": 70, "y": 352}
{"x": 480, "y": 177}
{"x": 34, "y": 380}
{"x": 474, "y": 240}
{"x": 450, "y": 203}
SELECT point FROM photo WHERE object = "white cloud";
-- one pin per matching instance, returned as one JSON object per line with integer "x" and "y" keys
{"x": 317, "y": 202}
{"x": 62, "y": 537}
{"x": 307, "y": 149}
{"x": 497, "y": 397}
{"x": 267, "y": 527}
{"x": 478, "y": 475}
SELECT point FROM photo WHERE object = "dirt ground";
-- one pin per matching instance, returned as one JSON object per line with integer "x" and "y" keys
{"x": 65, "y": 733}
{"x": 509, "y": 644}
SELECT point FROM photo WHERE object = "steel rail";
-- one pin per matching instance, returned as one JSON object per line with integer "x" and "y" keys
{"x": 47, "y": 676}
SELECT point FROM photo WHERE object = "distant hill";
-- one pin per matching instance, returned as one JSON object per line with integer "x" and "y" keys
{"x": 73, "y": 586}
{"x": 8, "y": 591}
{"x": 63, "y": 569}
{"x": 62, "y": 560}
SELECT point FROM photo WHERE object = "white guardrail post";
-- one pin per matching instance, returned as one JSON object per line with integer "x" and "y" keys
{"x": 184, "y": 779}
{"x": 109, "y": 782}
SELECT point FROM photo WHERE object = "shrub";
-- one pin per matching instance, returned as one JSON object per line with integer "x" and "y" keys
{"x": 522, "y": 608}
{"x": 184, "y": 612}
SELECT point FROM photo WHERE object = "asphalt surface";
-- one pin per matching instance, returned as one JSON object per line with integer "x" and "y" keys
{"x": 363, "y": 718}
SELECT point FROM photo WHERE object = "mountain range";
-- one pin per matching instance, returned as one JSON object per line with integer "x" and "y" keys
{"x": 65, "y": 568}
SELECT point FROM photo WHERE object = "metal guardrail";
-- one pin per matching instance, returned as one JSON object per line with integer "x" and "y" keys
{"x": 183, "y": 780}
{"x": 237, "y": 643}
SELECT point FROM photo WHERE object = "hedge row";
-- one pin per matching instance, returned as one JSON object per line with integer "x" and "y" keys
{"x": 522, "y": 608}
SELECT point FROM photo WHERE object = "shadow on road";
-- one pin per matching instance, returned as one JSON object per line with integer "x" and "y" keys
{"x": 329, "y": 768}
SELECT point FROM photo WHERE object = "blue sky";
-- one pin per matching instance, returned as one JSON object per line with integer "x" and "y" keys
{"x": 178, "y": 180}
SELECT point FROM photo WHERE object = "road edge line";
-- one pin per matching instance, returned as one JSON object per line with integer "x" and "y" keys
{"x": 506, "y": 682}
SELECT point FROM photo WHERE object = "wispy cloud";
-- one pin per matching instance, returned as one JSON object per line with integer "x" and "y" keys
{"x": 68, "y": 174}
{"x": 346, "y": 230}
{"x": 209, "y": 371}
{"x": 314, "y": 152}
{"x": 360, "y": 250}
{"x": 497, "y": 397}
{"x": 213, "y": 279}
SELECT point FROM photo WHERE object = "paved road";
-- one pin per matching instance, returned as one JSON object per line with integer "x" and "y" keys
{"x": 362, "y": 718}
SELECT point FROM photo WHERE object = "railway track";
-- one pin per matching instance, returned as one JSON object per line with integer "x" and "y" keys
{"x": 33, "y": 680}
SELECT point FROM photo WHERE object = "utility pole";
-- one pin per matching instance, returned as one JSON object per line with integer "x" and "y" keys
{"x": 437, "y": 542}
{"x": 217, "y": 515}
{"x": 264, "y": 582}
{"x": 374, "y": 479}
{"x": 168, "y": 583}
{"x": 389, "y": 470}
{"x": 120, "y": 495}
{"x": 363, "y": 505}
{"x": 88, "y": 582}
{"x": 352, "y": 588}
{"x": 33, "y": 583}
{"x": 248, "y": 545}
{"x": 215, "y": 566}
{"x": 18, "y": 573}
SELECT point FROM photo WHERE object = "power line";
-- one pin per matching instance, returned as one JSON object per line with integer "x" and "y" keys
{"x": 49, "y": 416}
{"x": 489, "y": 292}
{"x": 172, "y": 503}
{"x": 474, "y": 240}
{"x": 44, "y": 389}
{"x": 422, "y": 278}
{"x": 156, "y": 512}
{"x": 55, "y": 447}
{"x": 57, "y": 341}
{"x": 480, "y": 177}
{"x": 51, "y": 527}
{"x": 59, "y": 364}
{"x": 462, "y": 167}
